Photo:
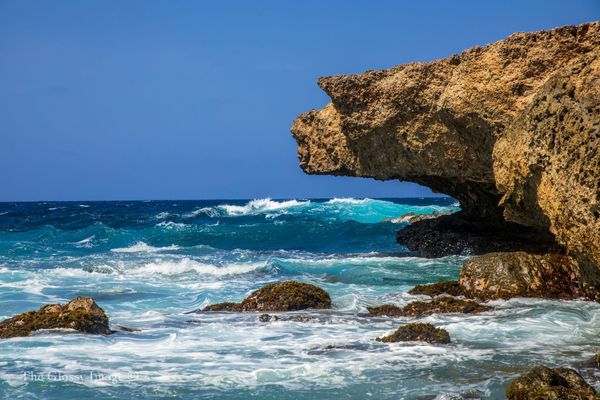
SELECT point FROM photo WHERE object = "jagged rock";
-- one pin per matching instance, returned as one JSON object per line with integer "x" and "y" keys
{"x": 519, "y": 274}
{"x": 510, "y": 129}
{"x": 417, "y": 332}
{"x": 543, "y": 383}
{"x": 439, "y": 305}
{"x": 451, "y": 288}
{"x": 279, "y": 296}
{"x": 81, "y": 314}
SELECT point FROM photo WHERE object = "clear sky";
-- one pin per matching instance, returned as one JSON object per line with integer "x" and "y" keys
{"x": 194, "y": 99}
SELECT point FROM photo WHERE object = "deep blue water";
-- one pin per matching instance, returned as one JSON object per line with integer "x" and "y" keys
{"x": 149, "y": 263}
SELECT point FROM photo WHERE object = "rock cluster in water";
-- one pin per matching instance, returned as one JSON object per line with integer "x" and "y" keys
{"x": 279, "y": 296}
{"x": 550, "y": 384}
{"x": 439, "y": 305}
{"x": 510, "y": 129}
{"x": 81, "y": 314}
{"x": 417, "y": 331}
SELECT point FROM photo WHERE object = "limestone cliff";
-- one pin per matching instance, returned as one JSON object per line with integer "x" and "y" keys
{"x": 510, "y": 129}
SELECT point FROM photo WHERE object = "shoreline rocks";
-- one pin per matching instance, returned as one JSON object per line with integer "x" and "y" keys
{"x": 81, "y": 314}
{"x": 519, "y": 274}
{"x": 439, "y": 305}
{"x": 550, "y": 384}
{"x": 451, "y": 288}
{"x": 279, "y": 296}
{"x": 417, "y": 332}
{"x": 509, "y": 129}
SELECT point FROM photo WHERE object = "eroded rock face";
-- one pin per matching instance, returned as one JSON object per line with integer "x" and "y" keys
{"x": 550, "y": 384}
{"x": 519, "y": 274}
{"x": 510, "y": 129}
{"x": 279, "y": 296}
{"x": 81, "y": 314}
{"x": 417, "y": 332}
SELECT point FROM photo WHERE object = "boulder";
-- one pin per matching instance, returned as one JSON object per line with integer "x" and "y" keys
{"x": 543, "y": 383}
{"x": 417, "y": 332}
{"x": 81, "y": 314}
{"x": 520, "y": 274}
{"x": 279, "y": 296}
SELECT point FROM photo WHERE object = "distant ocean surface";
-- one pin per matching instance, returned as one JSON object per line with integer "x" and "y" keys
{"x": 149, "y": 263}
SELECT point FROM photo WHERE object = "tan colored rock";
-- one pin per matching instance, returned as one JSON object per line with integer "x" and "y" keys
{"x": 510, "y": 129}
{"x": 518, "y": 274}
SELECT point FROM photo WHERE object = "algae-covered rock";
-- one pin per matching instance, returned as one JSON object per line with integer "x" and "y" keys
{"x": 386, "y": 309}
{"x": 519, "y": 274}
{"x": 226, "y": 306}
{"x": 439, "y": 305}
{"x": 543, "y": 383}
{"x": 279, "y": 296}
{"x": 81, "y": 314}
{"x": 443, "y": 305}
{"x": 417, "y": 332}
{"x": 451, "y": 288}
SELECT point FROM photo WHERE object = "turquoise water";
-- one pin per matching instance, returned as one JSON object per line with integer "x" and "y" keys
{"x": 149, "y": 263}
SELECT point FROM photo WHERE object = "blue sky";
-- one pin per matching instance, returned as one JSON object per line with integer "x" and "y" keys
{"x": 194, "y": 99}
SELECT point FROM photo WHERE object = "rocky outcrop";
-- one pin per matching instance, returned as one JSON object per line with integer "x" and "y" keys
{"x": 417, "y": 332}
{"x": 439, "y": 305}
{"x": 519, "y": 274}
{"x": 81, "y": 314}
{"x": 550, "y": 384}
{"x": 510, "y": 129}
{"x": 411, "y": 217}
{"x": 279, "y": 296}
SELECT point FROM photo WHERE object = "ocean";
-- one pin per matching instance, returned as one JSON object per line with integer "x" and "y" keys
{"x": 148, "y": 264}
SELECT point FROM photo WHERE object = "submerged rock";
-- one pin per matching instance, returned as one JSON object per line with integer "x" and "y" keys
{"x": 81, "y": 314}
{"x": 443, "y": 305}
{"x": 279, "y": 296}
{"x": 519, "y": 274}
{"x": 543, "y": 383}
{"x": 510, "y": 129}
{"x": 417, "y": 332}
{"x": 386, "y": 309}
{"x": 451, "y": 288}
{"x": 294, "y": 318}
{"x": 439, "y": 305}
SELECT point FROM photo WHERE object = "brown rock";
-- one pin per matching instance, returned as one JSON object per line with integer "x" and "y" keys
{"x": 543, "y": 383}
{"x": 510, "y": 129}
{"x": 279, "y": 296}
{"x": 387, "y": 309}
{"x": 519, "y": 274}
{"x": 451, "y": 288}
{"x": 417, "y": 332}
{"x": 81, "y": 314}
{"x": 439, "y": 305}
{"x": 443, "y": 305}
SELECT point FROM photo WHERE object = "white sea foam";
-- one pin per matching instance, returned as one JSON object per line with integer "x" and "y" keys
{"x": 4, "y": 213}
{"x": 86, "y": 243}
{"x": 163, "y": 215}
{"x": 348, "y": 200}
{"x": 259, "y": 206}
{"x": 209, "y": 211}
{"x": 187, "y": 265}
{"x": 172, "y": 225}
{"x": 141, "y": 247}
{"x": 84, "y": 206}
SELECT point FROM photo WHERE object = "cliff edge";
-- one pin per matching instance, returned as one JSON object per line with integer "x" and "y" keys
{"x": 510, "y": 129}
